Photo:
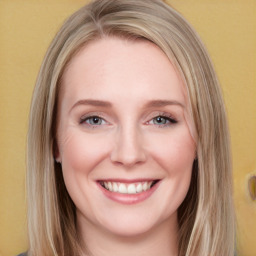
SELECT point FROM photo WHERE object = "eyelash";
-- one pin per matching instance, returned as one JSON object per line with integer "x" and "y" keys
{"x": 169, "y": 119}
{"x": 86, "y": 118}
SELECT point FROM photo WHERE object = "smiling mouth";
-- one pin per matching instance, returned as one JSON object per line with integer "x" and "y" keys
{"x": 128, "y": 188}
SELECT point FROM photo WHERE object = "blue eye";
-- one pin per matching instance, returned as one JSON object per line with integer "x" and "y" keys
{"x": 163, "y": 120}
{"x": 92, "y": 120}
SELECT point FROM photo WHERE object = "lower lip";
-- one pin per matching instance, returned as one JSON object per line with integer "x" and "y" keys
{"x": 129, "y": 198}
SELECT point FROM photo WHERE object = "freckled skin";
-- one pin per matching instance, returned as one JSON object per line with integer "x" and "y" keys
{"x": 128, "y": 144}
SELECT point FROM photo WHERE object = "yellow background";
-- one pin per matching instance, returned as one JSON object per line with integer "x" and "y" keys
{"x": 228, "y": 28}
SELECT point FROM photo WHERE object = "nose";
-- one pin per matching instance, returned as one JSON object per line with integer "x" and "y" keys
{"x": 128, "y": 147}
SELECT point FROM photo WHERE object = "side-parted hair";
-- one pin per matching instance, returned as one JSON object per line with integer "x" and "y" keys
{"x": 206, "y": 217}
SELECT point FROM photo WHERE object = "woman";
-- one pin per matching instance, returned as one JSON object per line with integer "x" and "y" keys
{"x": 128, "y": 149}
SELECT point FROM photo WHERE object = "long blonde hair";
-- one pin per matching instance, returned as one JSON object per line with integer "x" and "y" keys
{"x": 206, "y": 217}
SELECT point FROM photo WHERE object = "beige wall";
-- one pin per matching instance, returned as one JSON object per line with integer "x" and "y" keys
{"x": 228, "y": 28}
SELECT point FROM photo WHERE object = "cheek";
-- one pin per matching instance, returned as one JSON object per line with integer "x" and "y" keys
{"x": 175, "y": 154}
{"x": 174, "y": 151}
{"x": 80, "y": 152}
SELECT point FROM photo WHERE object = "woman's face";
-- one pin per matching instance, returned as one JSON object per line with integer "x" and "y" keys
{"x": 123, "y": 138}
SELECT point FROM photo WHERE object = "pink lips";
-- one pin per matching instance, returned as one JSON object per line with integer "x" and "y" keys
{"x": 124, "y": 198}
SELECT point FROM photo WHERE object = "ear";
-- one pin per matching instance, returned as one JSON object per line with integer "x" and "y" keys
{"x": 56, "y": 153}
{"x": 57, "y": 158}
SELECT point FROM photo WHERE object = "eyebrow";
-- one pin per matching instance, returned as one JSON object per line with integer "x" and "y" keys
{"x": 163, "y": 103}
{"x": 106, "y": 104}
{"x": 96, "y": 103}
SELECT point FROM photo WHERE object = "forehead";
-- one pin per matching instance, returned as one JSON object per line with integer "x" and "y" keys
{"x": 122, "y": 68}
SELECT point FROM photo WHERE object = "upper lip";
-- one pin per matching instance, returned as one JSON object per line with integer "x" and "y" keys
{"x": 128, "y": 180}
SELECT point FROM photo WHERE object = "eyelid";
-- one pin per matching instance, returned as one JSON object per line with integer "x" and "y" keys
{"x": 85, "y": 117}
{"x": 170, "y": 117}
{"x": 163, "y": 114}
{"x": 89, "y": 117}
{"x": 172, "y": 120}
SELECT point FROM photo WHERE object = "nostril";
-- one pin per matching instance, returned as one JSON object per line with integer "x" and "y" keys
{"x": 128, "y": 158}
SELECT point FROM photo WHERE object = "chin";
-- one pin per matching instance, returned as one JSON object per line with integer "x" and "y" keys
{"x": 133, "y": 224}
{"x": 126, "y": 230}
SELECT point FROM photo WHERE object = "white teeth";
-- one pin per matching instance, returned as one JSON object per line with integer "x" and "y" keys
{"x": 125, "y": 188}
{"x": 122, "y": 189}
{"x": 131, "y": 189}
{"x": 139, "y": 188}
{"x": 145, "y": 186}
{"x": 115, "y": 187}
{"x": 109, "y": 186}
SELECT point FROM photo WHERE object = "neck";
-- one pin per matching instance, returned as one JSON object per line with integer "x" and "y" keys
{"x": 161, "y": 240}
